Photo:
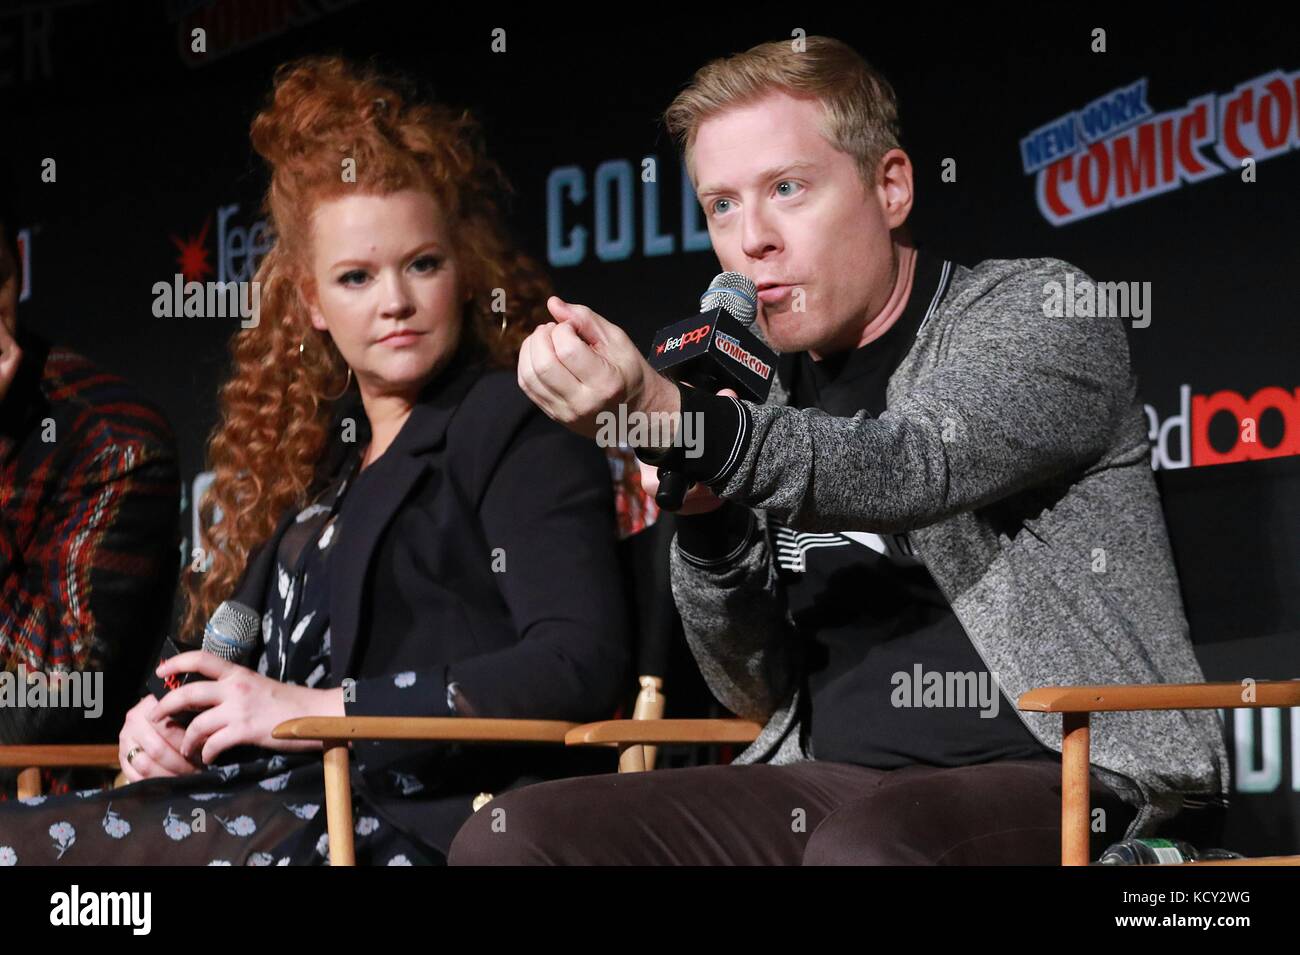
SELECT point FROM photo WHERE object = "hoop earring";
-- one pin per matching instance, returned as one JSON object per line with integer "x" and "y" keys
{"x": 346, "y": 386}
{"x": 503, "y": 324}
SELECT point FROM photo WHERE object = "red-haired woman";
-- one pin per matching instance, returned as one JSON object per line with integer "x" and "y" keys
{"x": 419, "y": 539}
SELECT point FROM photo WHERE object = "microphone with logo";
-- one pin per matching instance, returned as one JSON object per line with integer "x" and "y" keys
{"x": 713, "y": 350}
{"x": 231, "y": 633}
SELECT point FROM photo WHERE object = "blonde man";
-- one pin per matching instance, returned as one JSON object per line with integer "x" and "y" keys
{"x": 945, "y": 502}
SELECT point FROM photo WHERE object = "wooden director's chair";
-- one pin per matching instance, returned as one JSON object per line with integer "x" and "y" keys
{"x": 636, "y": 740}
{"x": 30, "y": 760}
{"x": 1076, "y": 704}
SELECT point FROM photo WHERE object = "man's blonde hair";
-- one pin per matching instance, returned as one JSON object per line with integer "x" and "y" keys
{"x": 861, "y": 110}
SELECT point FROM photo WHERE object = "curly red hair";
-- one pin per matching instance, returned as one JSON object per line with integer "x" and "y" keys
{"x": 275, "y": 409}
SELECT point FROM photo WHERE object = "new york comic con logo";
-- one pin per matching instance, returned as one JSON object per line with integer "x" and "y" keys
{"x": 1116, "y": 150}
{"x": 732, "y": 348}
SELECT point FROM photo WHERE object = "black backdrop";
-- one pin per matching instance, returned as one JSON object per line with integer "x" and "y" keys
{"x": 151, "y": 149}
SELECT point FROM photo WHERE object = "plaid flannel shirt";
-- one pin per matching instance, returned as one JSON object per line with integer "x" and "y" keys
{"x": 89, "y": 502}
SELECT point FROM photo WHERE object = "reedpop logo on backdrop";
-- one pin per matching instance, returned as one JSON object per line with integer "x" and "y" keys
{"x": 238, "y": 248}
{"x": 239, "y": 251}
{"x": 1264, "y": 425}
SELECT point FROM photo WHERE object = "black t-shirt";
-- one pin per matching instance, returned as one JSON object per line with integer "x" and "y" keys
{"x": 878, "y": 631}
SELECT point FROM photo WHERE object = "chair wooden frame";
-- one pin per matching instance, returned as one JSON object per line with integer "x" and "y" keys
{"x": 336, "y": 734}
{"x": 1076, "y": 704}
{"x": 636, "y": 740}
{"x": 29, "y": 760}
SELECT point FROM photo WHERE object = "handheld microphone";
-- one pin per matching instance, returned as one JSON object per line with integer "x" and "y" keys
{"x": 231, "y": 633}
{"x": 714, "y": 350}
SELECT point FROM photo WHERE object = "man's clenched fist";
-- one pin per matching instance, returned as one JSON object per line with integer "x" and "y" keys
{"x": 581, "y": 365}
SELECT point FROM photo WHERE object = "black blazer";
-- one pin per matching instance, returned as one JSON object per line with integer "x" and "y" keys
{"x": 480, "y": 548}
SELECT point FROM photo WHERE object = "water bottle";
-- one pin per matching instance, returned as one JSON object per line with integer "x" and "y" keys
{"x": 1159, "y": 851}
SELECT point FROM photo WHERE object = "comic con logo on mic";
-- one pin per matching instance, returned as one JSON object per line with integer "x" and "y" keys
{"x": 735, "y": 351}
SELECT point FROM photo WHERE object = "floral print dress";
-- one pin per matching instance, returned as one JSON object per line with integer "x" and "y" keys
{"x": 266, "y": 809}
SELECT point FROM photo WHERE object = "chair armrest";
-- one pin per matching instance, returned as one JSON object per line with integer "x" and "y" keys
{"x": 334, "y": 730}
{"x": 662, "y": 732}
{"x": 103, "y": 755}
{"x": 451, "y": 729}
{"x": 1159, "y": 696}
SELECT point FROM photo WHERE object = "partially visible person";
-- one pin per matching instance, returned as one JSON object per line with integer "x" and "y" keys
{"x": 89, "y": 498}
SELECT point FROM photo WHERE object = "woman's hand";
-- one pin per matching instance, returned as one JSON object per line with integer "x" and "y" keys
{"x": 158, "y": 744}
{"x": 239, "y": 706}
